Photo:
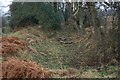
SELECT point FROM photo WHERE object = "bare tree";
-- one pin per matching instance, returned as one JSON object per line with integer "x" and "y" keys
{"x": 95, "y": 21}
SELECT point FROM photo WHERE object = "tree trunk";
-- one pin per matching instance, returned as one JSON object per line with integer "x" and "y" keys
{"x": 81, "y": 19}
{"x": 118, "y": 50}
{"x": 95, "y": 22}
{"x": 55, "y": 6}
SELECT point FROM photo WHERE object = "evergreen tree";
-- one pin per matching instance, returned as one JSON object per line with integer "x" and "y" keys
{"x": 25, "y": 13}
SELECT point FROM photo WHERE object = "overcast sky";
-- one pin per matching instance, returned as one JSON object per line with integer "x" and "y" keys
{"x": 4, "y": 6}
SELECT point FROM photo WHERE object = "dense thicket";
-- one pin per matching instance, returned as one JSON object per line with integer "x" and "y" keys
{"x": 25, "y": 13}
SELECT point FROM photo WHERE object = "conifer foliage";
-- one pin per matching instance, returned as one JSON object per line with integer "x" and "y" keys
{"x": 25, "y": 13}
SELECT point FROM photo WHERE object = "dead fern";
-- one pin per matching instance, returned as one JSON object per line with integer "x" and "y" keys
{"x": 12, "y": 45}
{"x": 14, "y": 68}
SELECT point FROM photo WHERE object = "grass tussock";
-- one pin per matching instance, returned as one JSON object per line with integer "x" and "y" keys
{"x": 15, "y": 68}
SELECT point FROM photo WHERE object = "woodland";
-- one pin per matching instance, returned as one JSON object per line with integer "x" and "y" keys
{"x": 61, "y": 40}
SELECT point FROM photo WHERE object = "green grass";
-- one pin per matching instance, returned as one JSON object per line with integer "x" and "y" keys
{"x": 52, "y": 52}
{"x": 16, "y": 34}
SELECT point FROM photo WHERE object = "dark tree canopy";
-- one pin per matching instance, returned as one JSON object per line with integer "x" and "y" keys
{"x": 24, "y": 13}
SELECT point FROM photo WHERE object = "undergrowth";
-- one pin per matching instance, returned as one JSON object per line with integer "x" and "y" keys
{"x": 55, "y": 51}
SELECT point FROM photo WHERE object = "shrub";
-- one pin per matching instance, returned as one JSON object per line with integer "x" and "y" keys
{"x": 23, "y": 14}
